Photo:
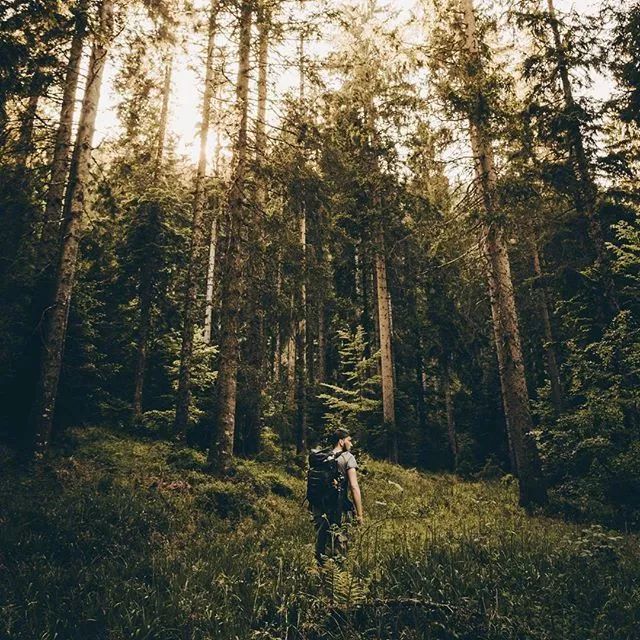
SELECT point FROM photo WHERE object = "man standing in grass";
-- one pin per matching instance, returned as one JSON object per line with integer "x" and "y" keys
{"x": 332, "y": 474}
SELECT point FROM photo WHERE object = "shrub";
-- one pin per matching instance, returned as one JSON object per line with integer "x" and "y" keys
{"x": 155, "y": 424}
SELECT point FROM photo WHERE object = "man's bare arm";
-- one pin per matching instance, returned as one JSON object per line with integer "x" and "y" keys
{"x": 355, "y": 492}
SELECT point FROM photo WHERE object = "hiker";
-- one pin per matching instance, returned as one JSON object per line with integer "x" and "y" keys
{"x": 332, "y": 473}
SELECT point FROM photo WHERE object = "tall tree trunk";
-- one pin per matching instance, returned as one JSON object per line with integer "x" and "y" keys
{"x": 321, "y": 297}
{"x": 300, "y": 362}
{"x": 145, "y": 295}
{"x": 221, "y": 450}
{"x": 420, "y": 396}
{"x": 448, "y": 403}
{"x": 586, "y": 193}
{"x": 516, "y": 399}
{"x": 213, "y": 236}
{"x": 301, "y": 340}
{"x": 291, "y": 360}
{"x": 211, "y": 272}
{"x": 164, "y": 113}
{"x": 62, "y": 146}
{"x": 183, "y": 399}
{"x": 386, "y": 356}
{"x": 25, "y": 138}
{"x": 277, "y": 348}
{"x": 146, "y": 309}
{"x": 549, "y": 343}
{"x": 322, "y": 344}
{"x": 255, "y": 343}
{"x": 56, "y": 323}
{"x": 500, "y": 356}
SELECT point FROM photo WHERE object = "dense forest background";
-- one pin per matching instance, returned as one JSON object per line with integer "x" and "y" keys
{"x": 418, "y": 221}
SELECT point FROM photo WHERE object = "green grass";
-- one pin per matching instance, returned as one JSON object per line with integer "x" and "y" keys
{"x": 119, "y": 538}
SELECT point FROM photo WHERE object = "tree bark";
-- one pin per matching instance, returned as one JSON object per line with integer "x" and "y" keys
{"x": 548, "y": 345}
{"x": 56, "y": 322}
{"x": 421, "y": 406}
{"x": 277, "y": 348}
{"x": 255, "y": 343}
{"x": 24, "y": 144}
{"x": 146, "y": 308}
{"x": 62, "y": 146}
{"x": 587, "y": 193}
{"x": 221, "y": 450}
{"x": 511, "y": 364}
{"x": 322, "y": 344}
{"x": 448, "y": 403}
{"x": 211, "y": 272}
{"x": 145, "y": 295}
{"x": 386, "y": 356}
{"x": 164, "y": 113}
{"x": 301, "y": 340}
{"x": 183, "y": 399}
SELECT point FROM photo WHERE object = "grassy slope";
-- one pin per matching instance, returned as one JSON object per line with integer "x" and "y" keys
{"x": 123, "y": 538}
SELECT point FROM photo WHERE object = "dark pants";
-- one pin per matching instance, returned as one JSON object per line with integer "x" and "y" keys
{"x": 331, "y": 536}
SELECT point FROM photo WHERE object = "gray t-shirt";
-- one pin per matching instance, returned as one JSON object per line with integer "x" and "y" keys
{"x": 346, "y": 461}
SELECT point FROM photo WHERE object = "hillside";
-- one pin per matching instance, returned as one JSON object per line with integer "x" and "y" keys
{"x": 127, "y": 538}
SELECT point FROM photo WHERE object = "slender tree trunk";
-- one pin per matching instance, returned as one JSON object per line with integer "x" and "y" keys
{"x": 386, "y": 356}
{"x": 25, "y": 138}
{"x": 586, "y": 193}
{"x": 322, "y": 344}
{"x": 291, "y": 362}
{"x": 320, "y": 301}
{"x": 62, "y": 146}
{"x": 164, "y": 113}
{"x": 277, "y": 358}
{"x": 146, "y": 308}
{"x": 221, "y": 450}
{"x": 264, "y": 24}
{"x": 420, "y": 396}
{"x": 56, "y": 322}
{"x": 211, "y": 272}
{"x": 213, "y": 236}
{"x": 183, "y": 399}
{"x": 516, "y": 400}
{"x": 255, "y": 343}
{"x": 146, "y": 277}
{"x": 500, "y": 356}
{"x": 549, "y": 343}
{"x": 368, "y": 298}
{"x": 301, "y": 340}
{"x": 448, "y": 403}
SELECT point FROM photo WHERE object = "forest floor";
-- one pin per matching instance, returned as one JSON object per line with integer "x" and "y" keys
{"x": 120, "y": 538}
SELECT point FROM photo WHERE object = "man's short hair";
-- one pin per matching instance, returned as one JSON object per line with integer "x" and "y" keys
{"x": 339, "y": 434}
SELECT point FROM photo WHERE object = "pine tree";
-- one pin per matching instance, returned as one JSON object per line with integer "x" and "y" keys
{"x": 56, "y": 321}
{"x": 221, "y": 450}
{"x": 197, "y": 234}
{"x": 501, "y": 292}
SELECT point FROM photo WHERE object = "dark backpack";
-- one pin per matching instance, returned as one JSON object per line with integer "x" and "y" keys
{"x": 325, "y": 484}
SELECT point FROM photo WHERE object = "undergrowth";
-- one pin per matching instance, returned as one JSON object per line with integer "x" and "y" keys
{"x": 120, "y": 538}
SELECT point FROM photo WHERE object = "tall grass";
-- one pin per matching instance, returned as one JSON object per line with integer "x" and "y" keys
{"x": 120, "y": 538}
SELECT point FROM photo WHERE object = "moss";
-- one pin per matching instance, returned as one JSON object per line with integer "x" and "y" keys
{"x": 187, "y": 459}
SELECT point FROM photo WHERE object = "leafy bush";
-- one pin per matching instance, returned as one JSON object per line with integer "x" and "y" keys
{"x": 589, "y": 450}
{"x": 155, "y": 424}
{"x": 355, "y": 403}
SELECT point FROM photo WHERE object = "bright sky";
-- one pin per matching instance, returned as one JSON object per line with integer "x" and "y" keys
{"x": 187, "y": 82}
